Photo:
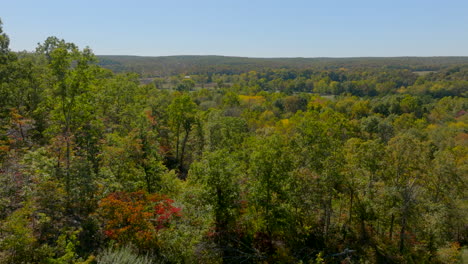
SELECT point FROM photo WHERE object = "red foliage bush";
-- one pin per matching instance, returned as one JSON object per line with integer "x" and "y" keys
{"x": 136, "y": 217}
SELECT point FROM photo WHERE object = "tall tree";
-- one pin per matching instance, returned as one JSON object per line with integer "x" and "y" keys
{"x": 270, "y": 167}
{"x": 182, "y": 117}
{"x": 218, "y": 173}
{"x": 406, "y": 161}
{"x": 71, "y": 75}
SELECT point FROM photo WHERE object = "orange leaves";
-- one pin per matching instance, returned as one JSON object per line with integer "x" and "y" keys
{"x": 151, "y": 118}
{"x": 136, "y": 217}
{"x": 252, "y": 99}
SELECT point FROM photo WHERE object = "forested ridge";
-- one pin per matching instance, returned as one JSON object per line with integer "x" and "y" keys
{"x": 334, "y": 162}
{"x": 164, "y": 66}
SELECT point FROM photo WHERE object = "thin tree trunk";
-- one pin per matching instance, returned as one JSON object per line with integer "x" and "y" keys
{"x": 351, "y": 208}
{"x": 328, "y": 207}
{"x": 402, "y": 234}
{"x": 391, "y": 227}
{"x": 67, "y": 173}
{"x": 21, "y": 131}
{"x": 403, "y": 226}
{"x": 177, "y": 143}
{"x": 182, "y": 154}
{"x": 148, "y": 180}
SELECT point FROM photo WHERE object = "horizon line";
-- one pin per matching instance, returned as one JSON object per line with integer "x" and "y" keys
{"x": 289, "y": 57}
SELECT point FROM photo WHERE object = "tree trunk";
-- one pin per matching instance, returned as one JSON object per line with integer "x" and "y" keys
{"x": 351, "y": 207}
{"x": 67, "y": 173}
{"x": 402, "y": 234}
{"x": 403, "y": 226}
{"x": 177, "y": 143}
{"x": 182, "y": 154}
{"x": 391, "y": 227}
{"x": 148, "y": 180}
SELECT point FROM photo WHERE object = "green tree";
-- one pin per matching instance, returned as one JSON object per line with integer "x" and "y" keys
{"x": 71, "y": 75}
{"x": 362, "y": 171}
{"x": 219, "y": 174}
{"x": 270, "y": 167}
{"x": 186, "y": 85}
{"x": 318, "y": 148}
{"x": 182, "y": 117}
{"x": 406, "y": 165}
{"x": 224, "y": 132}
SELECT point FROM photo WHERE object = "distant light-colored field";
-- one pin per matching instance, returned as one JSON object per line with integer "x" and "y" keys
{"x": 421, "y": 73}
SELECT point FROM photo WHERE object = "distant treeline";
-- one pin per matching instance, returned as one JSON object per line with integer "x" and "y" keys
{"x": 306, "y": 165}
{"x": 171, "y": 65}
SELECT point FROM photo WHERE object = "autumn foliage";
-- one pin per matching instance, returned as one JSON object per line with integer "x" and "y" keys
{"x": 350, "y": 160}
{"x": 136, "y": 217}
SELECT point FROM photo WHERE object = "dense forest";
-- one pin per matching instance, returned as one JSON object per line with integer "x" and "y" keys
{"x": 206, "y": 65}
{"x": 335, "y": 161}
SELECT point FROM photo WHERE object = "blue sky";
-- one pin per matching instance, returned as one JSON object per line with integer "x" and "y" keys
{"x": 253, "y": 28}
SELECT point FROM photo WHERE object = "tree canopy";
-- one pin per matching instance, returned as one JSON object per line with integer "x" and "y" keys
{"x": 231, "y": 160}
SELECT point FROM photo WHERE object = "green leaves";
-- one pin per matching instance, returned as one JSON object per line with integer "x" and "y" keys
{"x": 219, "y": 174}
{"x": 4, "y": 44}
{"x": 181, "y": 111}
{"x": 264, "y": 170}
{"x": 269, "y": 171}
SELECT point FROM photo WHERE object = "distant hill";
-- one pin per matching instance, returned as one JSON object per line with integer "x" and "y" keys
{"x": 170, "y": 65}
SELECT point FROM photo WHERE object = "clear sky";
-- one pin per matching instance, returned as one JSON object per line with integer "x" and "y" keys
{"x": 253, "y": 28}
